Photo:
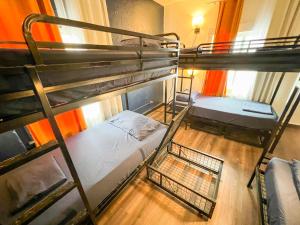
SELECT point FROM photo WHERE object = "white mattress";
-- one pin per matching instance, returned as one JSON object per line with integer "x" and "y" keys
{"x": 104, "y": 156}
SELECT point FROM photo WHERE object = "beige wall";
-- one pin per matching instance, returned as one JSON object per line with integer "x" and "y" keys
{"x": 178, "y": 17}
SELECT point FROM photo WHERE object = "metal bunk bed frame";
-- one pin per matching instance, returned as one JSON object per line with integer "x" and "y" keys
{"x": 222, "y": 128}
{"x": 282, "y": 48}
{"x": 259, "y": 170}
{"x": 48, "y": 112}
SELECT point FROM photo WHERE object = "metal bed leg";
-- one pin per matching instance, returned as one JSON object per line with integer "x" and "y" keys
{"x": 277, "y": 87}
{"x": 165, "y": 101}
{"x": 126, "y": 101}
{"x": 174, "y": 98}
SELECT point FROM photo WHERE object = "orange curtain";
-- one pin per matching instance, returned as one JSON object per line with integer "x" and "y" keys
{"x": 12, "y": 15}
{"x": 227, "y": 27}
{"x": 69, "y": 123}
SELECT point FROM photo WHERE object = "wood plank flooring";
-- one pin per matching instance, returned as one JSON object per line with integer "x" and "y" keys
{"x": 142, "y": 203}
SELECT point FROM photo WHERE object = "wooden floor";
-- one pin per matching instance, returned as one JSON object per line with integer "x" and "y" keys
{"x": 143, "y": 203}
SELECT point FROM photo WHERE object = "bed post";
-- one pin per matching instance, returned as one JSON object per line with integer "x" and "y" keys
{"x": 181, "y": 84}
{"x": 277, "y": 132}
{"x": 165, "y": 101}
{"x": 285, "y": 123}
{"x": 126, "y": 101}
{"x": 191, "y": 85}
{"x": 174, "y": 96}
{"x": 277, "y": 87}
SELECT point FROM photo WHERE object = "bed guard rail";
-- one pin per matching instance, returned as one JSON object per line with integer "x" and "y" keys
{"x": 38, "y": 18}
{"x": 247, "y": 46}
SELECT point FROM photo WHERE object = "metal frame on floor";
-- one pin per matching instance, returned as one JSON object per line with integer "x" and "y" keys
{"x": 182, "y": 183}
{"x": 40, "y": 92}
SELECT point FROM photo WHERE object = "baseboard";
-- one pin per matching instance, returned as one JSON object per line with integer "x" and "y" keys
{"x": 294, "y": 125}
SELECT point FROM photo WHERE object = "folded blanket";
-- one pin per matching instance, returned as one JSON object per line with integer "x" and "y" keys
{"x": 256, "y": 107}
{"x": 137, "y": 125}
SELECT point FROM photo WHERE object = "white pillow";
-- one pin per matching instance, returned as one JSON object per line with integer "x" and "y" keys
{"x": 30, "y": 181}
{"x": 137, "y": 125}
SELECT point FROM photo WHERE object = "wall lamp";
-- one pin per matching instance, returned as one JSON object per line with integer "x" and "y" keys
{"x": 197, "y": 21}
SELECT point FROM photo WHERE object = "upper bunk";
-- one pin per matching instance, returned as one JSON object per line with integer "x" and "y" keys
{"x": 280, "y": 54}
{"x": 71, "y": 74}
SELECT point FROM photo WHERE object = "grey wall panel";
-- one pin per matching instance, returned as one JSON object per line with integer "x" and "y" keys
{"x": 144, "y": 16}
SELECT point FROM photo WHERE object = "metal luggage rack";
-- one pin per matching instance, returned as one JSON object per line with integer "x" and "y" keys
{"x": 188, "y": 174}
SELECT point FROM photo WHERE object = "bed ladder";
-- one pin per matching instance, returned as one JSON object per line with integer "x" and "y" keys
{"x": 172, "y": 104}
{"x": 277, "y": 132}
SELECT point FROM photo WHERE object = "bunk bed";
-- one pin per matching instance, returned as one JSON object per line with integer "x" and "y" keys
{"x": 277, "y": 180}
{"x": 228, "y": 116}
{"x": 32, "y": 88}
{"x": 268, "y": 55}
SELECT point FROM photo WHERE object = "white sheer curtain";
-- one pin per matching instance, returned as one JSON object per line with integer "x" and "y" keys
{"x": 240, "y": 84}
{"x": 92, "y": 11}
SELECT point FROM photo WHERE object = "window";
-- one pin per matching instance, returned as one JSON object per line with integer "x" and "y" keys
{"x": 240, "y": 84}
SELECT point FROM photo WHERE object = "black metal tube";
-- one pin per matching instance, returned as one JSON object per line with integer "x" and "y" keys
{"x": 277, "y": 88}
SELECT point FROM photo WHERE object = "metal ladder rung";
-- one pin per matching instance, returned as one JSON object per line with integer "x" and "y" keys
{"x": 80, "y": 218}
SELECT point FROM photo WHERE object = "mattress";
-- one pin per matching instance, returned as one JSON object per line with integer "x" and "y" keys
{"x": 104, "y": 156}
{"x": 282, "y": 197}
{"x": 230, "y": 111}
{"x": 18, "y": 80}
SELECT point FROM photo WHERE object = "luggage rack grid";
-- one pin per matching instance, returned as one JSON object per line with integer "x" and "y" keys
{"x": 211, "y": 163}
{"x": 194, "y": 181}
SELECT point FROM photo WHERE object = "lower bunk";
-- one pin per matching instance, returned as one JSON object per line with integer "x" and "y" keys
{"x": 241, "y": 120}
{"x": 279, "y": 192}
{"x": 105, "y": 156}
